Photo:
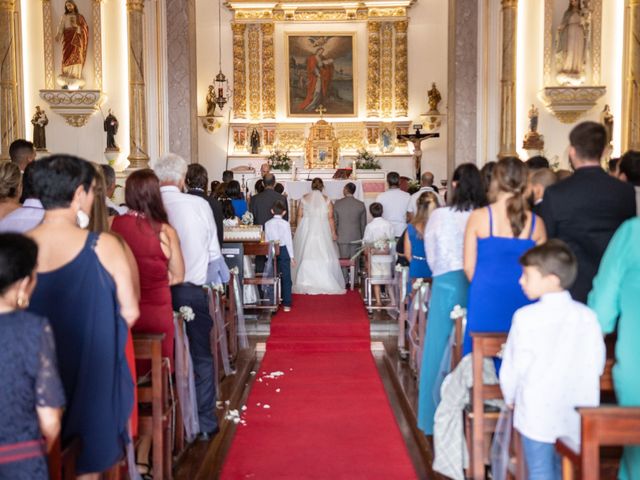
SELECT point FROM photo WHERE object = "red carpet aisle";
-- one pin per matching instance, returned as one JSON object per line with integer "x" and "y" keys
{"x": 326, "y": 416}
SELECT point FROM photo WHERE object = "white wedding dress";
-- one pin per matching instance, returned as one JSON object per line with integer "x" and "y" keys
{"x": 318, "y": 268}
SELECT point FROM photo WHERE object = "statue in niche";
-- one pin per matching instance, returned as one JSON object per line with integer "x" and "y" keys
{"x": 39, "y": 121}
{"x": 111, "y": 127}
{"x": 572, "y": 43}
{"x": 532, "y": 139}
{"x": 533, "y": 119}
{"x": 606, "y": 117}
{"x": 386, "y": 141}
{"x": 73, "y": 33}
{"x": 211, "y": 102}
{"x": 434, "y": 99}
{"x": 255, "y": 142}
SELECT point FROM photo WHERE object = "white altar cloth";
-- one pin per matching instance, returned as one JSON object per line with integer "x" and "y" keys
{"x": 295, "y": 190}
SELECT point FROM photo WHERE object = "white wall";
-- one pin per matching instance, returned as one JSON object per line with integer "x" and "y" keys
{"x": 427, "y": 49}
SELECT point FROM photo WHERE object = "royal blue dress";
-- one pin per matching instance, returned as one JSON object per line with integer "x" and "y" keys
{"x": 79, "y": 299}
{"x": 29, "y": 379}
{"x": 239, "y": 207}
{"x": 418, "y": 268}
{"x": 494, "y": 293}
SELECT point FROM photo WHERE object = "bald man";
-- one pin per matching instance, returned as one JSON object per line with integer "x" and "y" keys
{"x": 264, "y": 169}
{"x": 426, "y": 185}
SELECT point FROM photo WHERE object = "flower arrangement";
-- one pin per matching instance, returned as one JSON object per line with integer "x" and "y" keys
{"x": 280, "y": 160}
{"x": 365, "y": 160}
{"x": 187, "y": 313}
{"x": 247, "y": 218}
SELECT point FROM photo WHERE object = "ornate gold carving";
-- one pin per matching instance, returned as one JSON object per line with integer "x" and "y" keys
{"x": 401, "y": 73}
{"x": 373, "y": 134}
{"x": 254, "y": 71}
{"x": 388, "y": 12}
{"x": 253, "y": 14}
{"x": 239, "y": 69}
{"x": 268, "y": 74}
{"x": 569, "y": 103}
{"x": 508, "y": 79}
{"x": 75, "y": 106}
{"x": 210, "y": 123}
{"x": 386, "y": 70}
{"x": 315, "y": 12}
{"x": 373, "y": 73}
{"x": 350, "y": 136}
{"x": 290, "y": 138}
{"x": 240, "y": 138}
{"x": 9, "y": 113}
{"x": 97, "y": 43}
{"x": 631, "y": 111}
{"x": 47, "y": 22}
{"x": 321, "y": 148}
{"x": 137, "y": 102}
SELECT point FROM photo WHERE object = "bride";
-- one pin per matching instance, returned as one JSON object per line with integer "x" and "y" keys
{"x": 318, "y": 269}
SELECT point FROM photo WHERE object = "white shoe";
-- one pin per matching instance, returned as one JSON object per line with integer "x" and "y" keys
{"x": 286, "y": 309}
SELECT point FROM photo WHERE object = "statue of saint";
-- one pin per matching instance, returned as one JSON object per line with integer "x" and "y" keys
{"x": 111, "y": 127}
{"x": 434, "y": 98}
{"x": 386, "y": 141}
{"x": 571, "y": 43}
{"x": 255, "y": 142}
{"x": 211, "y": 102}
{"x": 533, "y": 119}
{"x": 39, "y": 121}
{"x": 73, "y": 32}
{"x": 606, "y": 117}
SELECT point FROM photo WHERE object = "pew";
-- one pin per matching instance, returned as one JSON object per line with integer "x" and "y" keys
{"x": 458, "y": 338}
{"x": 480, "y": 424}
{"x": 388, "y": 280}
{"x": 62, "y": 461}
{"x": 156, "y": 420}
{"x": 262, "y": 249}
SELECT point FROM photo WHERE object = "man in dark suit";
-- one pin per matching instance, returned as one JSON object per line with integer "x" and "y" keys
{"x": 262, "y": 203}
{"x": 540, "y": 179}
{"x": 197, "y": 181}
{"x": 350, "y": 217}
{"x": 586, "y": 209}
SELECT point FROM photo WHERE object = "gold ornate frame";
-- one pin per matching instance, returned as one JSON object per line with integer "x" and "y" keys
{"x": 354, "y": 55}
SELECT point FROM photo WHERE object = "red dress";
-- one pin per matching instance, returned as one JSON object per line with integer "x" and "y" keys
{"x": 156, "y": 312}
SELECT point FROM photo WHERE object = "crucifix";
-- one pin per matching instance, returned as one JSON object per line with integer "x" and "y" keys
{"x": 416, "y": 139}
{"x": 321, "y": 110}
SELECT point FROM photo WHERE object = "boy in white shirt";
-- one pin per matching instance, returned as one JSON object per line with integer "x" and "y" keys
{"x": 278, "y": 230}
{"x": 377, "y": 230}
{"x": 553, "y": 358}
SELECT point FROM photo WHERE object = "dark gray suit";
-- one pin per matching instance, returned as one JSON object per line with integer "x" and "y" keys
{"x": 262, "y": 203}
{"x": 350, "y": 216}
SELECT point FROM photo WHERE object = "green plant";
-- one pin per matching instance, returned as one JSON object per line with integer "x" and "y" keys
{"x": 280, "y": 161}
{"x": 366, "y": 161}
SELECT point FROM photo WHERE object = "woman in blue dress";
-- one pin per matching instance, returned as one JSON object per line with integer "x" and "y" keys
{"x": 32, "y": 398}
{"x": 413, "y": 241}
{"x": 443, "y": 239}
{"x": 234, "y": 193}
{"x": 85, "y": 288}
{"x": 495, "y": 239}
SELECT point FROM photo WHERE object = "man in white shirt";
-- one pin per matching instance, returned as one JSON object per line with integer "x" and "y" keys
{"x": 395, "y": 203}
{"x": 110, "y": 182}
{"x": 278, "y": 230}
{"x": 192, "y": 218}
{"x": 426, "y": 185}
{"x": 379, "y": 230}
{"x": 553, "y": 358}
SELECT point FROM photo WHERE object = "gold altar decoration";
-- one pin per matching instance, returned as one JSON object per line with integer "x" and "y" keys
{"x": 572, "y": 98}
{"x": 322, "y": 147}
{"x": 373, "y": 71}
{"x": 10, "y": 114}
{"x": 239, "y": 68}
{"x": 386, "y": 69}
{"x": 350, "y": 136}
{"x": 631, "y": 102}
{"x": 254, "y": 72}
{"x": 373, "y": 133}
{"x": 75, "y": 106}
{"x": 290, "y": 137}
{"x": 239, "y": 137}
{"x": 508, "y": 79}
{"x": 401, "y": 70}
{"x": 268, "y": 74}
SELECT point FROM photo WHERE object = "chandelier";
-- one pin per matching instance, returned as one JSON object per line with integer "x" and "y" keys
{"x": 222, "y": 85}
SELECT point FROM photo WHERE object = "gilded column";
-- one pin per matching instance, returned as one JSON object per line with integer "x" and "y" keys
{"x": 386, "y": 70}
{"x": 632, "y": 94}
{"x": 137, "y": 103}
{"x": 508, "y": 79}
{"x": 9, "y": 115}
{"x": 47, "y": 22}
{"x": 97, "y": 43}
{"x": 373, "y": 71}
{"x": 401, "y": 73}
{"x": 268, "y": 75}
{"x": 254, "y": 72}
{"x": 239, "y": 71}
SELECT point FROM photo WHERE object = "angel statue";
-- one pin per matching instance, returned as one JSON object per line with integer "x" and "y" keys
{"x": 572, "y": 43}
{"x": 73, "y": 32}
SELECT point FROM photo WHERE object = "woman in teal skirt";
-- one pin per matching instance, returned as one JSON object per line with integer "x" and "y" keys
{"x": 616, "y": 300}
{"x": 443, "y": 240}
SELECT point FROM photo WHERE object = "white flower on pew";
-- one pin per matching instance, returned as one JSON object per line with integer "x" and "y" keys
{"x": 247, "y": 218}
{"x": 187, "y": 313}
{"x": 458, "y": 312}
{"x": 234, "y": 270}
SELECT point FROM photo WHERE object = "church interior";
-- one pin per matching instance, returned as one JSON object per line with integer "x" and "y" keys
{"x": 349, "y": 92}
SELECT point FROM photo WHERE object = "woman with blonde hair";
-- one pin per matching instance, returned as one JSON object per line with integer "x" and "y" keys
{"x": 10, "y": 188}
{"x": 495, "y": 238}
{"x": 414, "y": 247}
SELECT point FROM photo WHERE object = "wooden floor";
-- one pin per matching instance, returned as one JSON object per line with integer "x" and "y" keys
{"x": 203, "y": 460}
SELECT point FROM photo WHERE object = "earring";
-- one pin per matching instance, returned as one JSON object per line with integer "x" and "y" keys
{"x": 23, "y": 301}
{"x": 82, "y": 219}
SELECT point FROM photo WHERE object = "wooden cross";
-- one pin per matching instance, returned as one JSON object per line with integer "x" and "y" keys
{"x": 321, "y": 110}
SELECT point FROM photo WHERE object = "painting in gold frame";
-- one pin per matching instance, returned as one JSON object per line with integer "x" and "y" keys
{"x": 321, "y": 71}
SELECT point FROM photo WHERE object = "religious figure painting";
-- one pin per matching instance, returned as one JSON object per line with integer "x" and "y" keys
{"x": 321, "y": 74}
{"x": 73, "y": 34}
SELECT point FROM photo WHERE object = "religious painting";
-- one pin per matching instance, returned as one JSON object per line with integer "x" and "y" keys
{"x": 321, "y": 74}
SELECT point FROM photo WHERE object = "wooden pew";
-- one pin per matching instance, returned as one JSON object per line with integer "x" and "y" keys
{"x": 458, "y": 339}
{"x": 62, "y": 462}
{"x": 155, "y": 421}
{"x": 262, "y": 249}
{"x": 480, "y": 425}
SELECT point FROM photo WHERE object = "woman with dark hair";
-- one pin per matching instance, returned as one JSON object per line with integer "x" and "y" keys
{"x": 487, "y": 172}
{"x": 33, "y": 397}
{"x": 85, "y": 288}
{"x": 196, "y": 180}
{"x": 234, "y": 193}
{"x": 495, "y": 238}
{"x": 443, "y": 239}
{"x": 317, "y": 270}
